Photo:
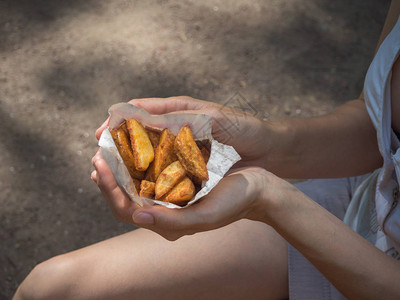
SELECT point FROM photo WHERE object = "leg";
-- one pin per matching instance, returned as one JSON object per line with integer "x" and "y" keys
{"x": 243, "y": 260}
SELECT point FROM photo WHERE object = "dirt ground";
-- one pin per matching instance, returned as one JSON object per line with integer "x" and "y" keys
{"x": 63, "y": 63}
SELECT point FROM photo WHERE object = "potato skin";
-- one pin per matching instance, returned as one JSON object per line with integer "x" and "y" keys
{"x": 121, "y": 140}
{"x": 181, "y": 193}
{"x": 147, "y": 189}
{"x": 154, "y": 137}
{"x": 189, "y": 154}
{"x": 136, "y": 182}
{"x": 168, "y": 178}
{"x": 164, "y": 153}
{"x": 150, "y": 176}
{"x": 142, "y": 148}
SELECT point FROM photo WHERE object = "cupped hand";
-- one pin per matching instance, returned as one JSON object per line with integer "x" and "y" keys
{"x": 120, "y": 204}
{"x": 236, "y": 196}
{"x": 251, "y": 137}
{"x": 232, "y": 199}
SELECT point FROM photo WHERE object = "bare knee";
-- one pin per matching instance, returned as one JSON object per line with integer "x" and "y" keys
{"x": 48, "y": 280}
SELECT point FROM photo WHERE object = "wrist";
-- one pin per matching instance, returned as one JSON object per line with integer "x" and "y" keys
{"x": 280, "y": 153}
{"x": 274, "y": 198}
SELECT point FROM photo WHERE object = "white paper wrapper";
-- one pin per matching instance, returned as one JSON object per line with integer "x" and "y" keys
{"x": 222, "y": 157}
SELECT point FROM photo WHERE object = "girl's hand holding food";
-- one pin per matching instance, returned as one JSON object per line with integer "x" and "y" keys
{"x": 236, "y": 196}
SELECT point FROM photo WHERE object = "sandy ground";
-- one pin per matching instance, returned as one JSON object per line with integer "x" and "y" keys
{"x": 63, "y": 63}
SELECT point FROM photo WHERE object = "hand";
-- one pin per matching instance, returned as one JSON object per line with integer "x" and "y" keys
{"x": 237, "y": 196}
{"x": 251, "y": 193}
{"x": 251, "y": 137}
{"x": 247, "y": 137}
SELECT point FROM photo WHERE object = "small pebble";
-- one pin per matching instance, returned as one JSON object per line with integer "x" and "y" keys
{"x": 286, "y": 109}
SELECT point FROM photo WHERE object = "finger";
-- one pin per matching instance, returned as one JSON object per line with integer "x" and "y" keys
{"x": 93, "y": 176}
{"x": 166, "y": 105}
{"x": 222, "y": 128}
{"x": 232, "y": 199}
{"x": 96, "y": 157}
{"x": 165, "y": 220}
{"x": 217, "y": 209}
{"x": 103, "y": 126}
{"x": 121, "y": 206}
{"x": 218, "y": 121}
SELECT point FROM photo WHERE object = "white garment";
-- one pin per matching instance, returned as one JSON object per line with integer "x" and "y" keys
{"x": 377, "y": 95}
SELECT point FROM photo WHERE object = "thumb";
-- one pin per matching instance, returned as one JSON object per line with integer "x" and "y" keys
{"x": 162, "y": 218}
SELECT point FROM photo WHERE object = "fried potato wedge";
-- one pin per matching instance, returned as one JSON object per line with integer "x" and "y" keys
{"x": 170, "y": 176}
{"x": 164, "y": 154}
{"x": 136, "y": 182}
{"x": 150, "y": 176}
{"x": 142, "y": 148}
{"x": 123, "y": 127}
{"x": 189, "y": 154}
{"x": 154, "y": 137}
{"x": 121, "y": 140}
{"x": 206, "y": 155}
{"x": 181, "y": 193}
{"x": 147, "y": 189}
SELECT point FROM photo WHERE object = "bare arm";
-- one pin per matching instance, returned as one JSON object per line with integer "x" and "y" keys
{"x": 357, "y": 268}
{"x": 351, "y": 263}
{"x": 340, "y": 144}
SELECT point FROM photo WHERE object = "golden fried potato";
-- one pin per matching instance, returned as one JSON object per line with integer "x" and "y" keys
{"x": 142, "y": 148}
{"x": 147, "y": 189}
{"x": 180, "y": 193}
{"x": 164, "y": 154}
{"x": 123, "y": 127}
{"x": 154, "y": 137}
{"x": 189, "y": 154}
{"x": 121, "y": 140}
{"x": 136, "y": 182}
{"x": 170, "y": 176}
{"x": 150, "y": 176}
{"x": 206, "y": 155}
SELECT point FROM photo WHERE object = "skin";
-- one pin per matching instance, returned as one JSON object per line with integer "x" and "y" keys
{"x": 123, "y": 267}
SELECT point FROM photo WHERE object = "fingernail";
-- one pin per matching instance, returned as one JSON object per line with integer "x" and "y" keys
{"x": 93, "y": 176}
{"x": 94, "y": 160}
{"x": 95, "y": 164}
{"x": 143, "y": 218}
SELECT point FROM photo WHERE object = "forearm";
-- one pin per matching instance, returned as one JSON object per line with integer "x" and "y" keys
{"x": 340, "y": 144}
{"x": 353, "y": 265}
